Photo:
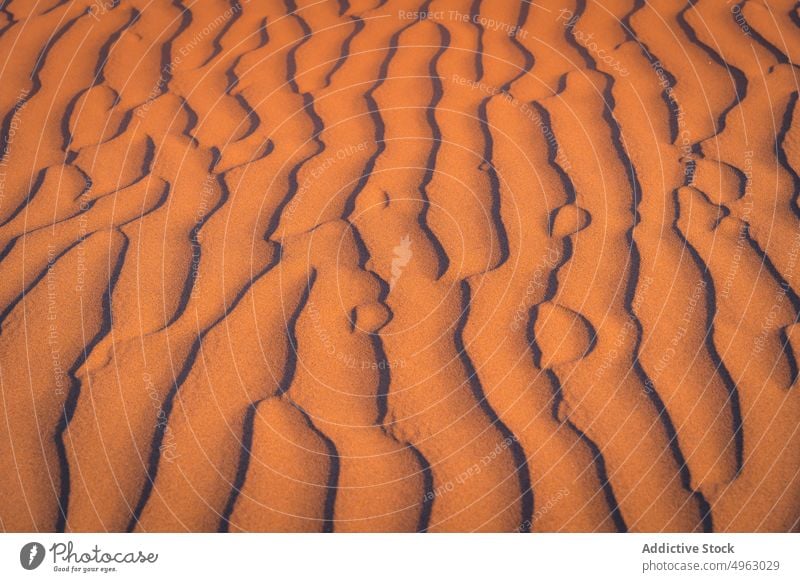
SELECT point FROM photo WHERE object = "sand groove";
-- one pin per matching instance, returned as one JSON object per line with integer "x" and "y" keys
{"x": 306, "y": 265}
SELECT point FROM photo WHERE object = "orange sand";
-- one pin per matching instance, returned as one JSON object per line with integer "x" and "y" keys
{"x": 312, "y": 265}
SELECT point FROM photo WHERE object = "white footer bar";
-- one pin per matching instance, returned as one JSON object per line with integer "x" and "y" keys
{"x": 401, "y": 557}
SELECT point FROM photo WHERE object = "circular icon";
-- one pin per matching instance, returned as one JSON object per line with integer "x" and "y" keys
{"x": 31, "y": 555}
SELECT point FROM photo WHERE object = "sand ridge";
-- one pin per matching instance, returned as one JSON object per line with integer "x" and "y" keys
{"x": 378, "y": 265}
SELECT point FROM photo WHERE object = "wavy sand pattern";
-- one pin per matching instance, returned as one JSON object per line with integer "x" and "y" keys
{"x": 383, "y": 265}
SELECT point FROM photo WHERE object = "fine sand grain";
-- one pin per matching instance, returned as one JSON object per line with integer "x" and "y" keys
{"x": 378, "y": 265}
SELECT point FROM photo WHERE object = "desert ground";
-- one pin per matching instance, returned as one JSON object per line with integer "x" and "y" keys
{"x": 383, "y": 265}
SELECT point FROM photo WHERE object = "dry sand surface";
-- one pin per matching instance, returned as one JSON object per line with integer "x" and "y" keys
{"x": 384, "y": 265}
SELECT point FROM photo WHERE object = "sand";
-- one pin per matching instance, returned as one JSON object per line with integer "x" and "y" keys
{"x": 377, "y": 265}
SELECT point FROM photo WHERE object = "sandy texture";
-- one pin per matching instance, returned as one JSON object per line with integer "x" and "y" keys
{"x": 378, "y": 265}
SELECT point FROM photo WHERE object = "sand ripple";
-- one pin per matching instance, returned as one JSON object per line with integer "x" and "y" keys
{"x": 372, "y": 265}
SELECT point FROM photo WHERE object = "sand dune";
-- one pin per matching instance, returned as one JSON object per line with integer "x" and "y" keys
{"x": 377, "y": 265}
